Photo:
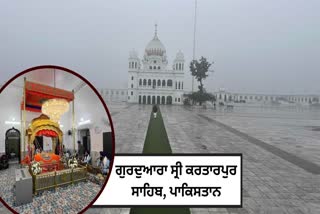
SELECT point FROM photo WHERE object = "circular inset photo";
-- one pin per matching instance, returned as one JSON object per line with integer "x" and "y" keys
{"x": 57, "y": 142}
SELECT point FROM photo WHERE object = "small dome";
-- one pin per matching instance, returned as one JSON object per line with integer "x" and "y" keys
{"x": 133, "y": 54}
{"x": 179, "y": 55}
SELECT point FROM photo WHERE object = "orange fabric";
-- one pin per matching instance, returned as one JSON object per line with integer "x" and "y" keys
{"x": 52, "y": 157}
{"x": 36, "y": 93}
{"x": 45, "y": 91}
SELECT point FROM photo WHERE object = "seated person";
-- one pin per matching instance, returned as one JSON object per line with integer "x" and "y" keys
{"x": 99, "y": 162}
{"x": 86, "y": 158}
{"x": 105, "y": 165}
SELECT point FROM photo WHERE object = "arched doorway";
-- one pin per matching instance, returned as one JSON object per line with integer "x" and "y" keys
{"x": 149, "y": 100}
{"x": 144, "y": 100}
{"x": 158, "y": 100}
{"x": 163, "y": 100}
{"x": 12, "y": 143}
{"x": 169, "y": 100}
{"x": 153, "y": 100}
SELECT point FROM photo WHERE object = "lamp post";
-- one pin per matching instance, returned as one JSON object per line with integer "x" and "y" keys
{"x": 194, "y": 37}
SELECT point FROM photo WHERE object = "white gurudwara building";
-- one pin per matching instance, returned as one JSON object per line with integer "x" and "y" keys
{"x": 151, "y": 80}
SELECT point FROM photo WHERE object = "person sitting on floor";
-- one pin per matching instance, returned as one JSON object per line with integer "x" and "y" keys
{"x": 87, "y": 158}
{"x": 105, "y": 165}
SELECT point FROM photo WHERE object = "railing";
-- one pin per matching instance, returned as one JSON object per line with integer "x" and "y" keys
{"x": 55, "y": 179}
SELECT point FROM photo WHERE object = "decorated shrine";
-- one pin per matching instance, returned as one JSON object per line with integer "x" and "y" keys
{"x": 48, "y": 167}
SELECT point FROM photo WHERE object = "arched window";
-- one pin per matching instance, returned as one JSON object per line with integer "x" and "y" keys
{"x": 129, "y": 64}
{"x": 169, "y": 83}
{"x": 179, "y": 66}
{"x": 163, "y": 100}
{"x": 154, "y": 83}
{"x": 131, "y": 85}
{"x": 144, "y": 82}
{"x": 159, "y": 82}
{"x": 135, "y": 64}
{"x": 176, "y": 85}
{"x": 150, "y": 67}
{"x": 179, "y": 85}
{"x": 149, "y": 82}
{"x": 163, "y": 83}
{"x": 140, "y": 82}
{"x": 154, "y": 67}
{"x": 158, "y": 67}
{"x": 182, "y": 66}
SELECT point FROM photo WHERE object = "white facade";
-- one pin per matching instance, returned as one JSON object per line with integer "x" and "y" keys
{"x": 114, "y": 95}
{"x": 228, "y": 97}
{"x": 150, "y": 81}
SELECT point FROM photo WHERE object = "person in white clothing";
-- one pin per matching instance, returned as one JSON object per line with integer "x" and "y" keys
{"x": 86, "y": 158}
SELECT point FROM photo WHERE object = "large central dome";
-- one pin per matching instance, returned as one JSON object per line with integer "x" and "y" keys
{"x": 155, "y": 47}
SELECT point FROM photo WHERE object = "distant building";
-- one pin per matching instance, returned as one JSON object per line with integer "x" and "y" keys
{"x": 228, "y": 97}
{"x": 150, "y": 81}
{"x": 114, "y": 95}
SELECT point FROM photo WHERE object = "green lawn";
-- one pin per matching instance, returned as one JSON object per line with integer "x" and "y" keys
{"x": 156, "y": 139}
{"x": 157, "y": 142}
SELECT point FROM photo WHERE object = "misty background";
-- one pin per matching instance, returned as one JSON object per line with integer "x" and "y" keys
{"x": 257, "y": 46}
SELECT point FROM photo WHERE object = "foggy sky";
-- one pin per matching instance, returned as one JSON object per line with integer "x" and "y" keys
{"x": 257, "y": 46}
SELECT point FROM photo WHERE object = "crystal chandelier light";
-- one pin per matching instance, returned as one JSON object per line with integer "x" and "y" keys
{"x": 55, "y": 108}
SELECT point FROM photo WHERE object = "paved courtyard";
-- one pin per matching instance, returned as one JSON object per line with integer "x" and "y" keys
{"x": 280, "y": 147}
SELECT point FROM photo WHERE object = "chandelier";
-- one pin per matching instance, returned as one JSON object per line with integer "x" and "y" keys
{"x": 55, "y": 108}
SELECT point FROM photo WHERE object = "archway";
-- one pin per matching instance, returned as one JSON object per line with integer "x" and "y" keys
{"x": 158, "y": 100}
{"x": 149, "y": 100}
{"x": 163, "y": 83}
{"x": 12, "y": 143}
{"x": 153, "y": 100}
{"x": 163, "y": 100}
{"x": 169, "y": 100}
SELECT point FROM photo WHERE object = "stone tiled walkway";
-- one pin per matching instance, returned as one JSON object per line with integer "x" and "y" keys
{"x": 272, "y": 183}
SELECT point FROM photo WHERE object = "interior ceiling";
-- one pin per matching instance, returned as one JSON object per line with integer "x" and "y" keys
{"x": 49, "y": 76}
{"x": 87, "y": 104}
